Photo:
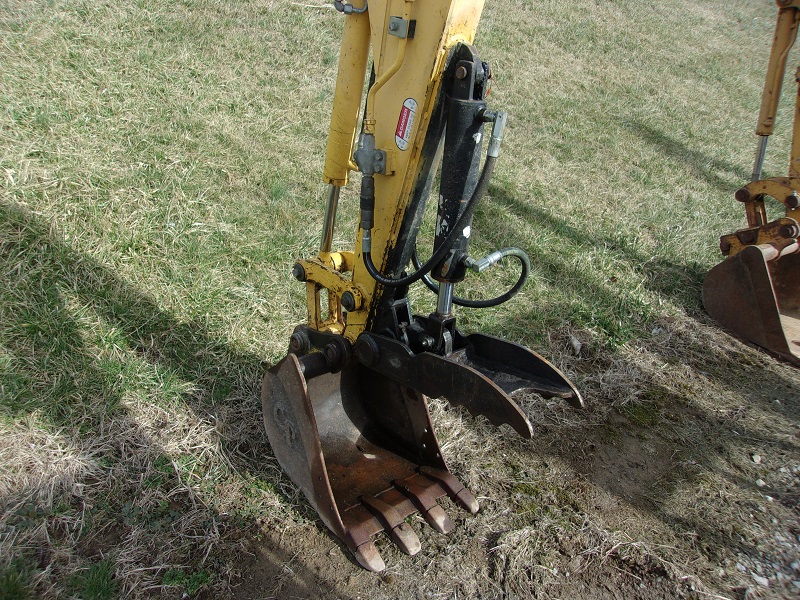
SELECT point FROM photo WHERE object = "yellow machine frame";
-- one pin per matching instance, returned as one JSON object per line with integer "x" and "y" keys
{"x": 404, "y": 69}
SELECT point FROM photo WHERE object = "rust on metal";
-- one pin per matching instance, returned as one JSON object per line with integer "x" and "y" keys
{"x": 756, "y": 294}
{"x": 361, "y": 448}
{"x": 360, "y": 443}
{"x": 779, "y": 233}
{"x": 755, "y": 291}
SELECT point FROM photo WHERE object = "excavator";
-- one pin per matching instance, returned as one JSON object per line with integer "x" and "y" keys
{"x": 346, "y": 410}
{"x": 755, "y": 291}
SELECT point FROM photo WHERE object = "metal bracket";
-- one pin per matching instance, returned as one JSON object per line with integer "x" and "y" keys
{"x": 369, "y": 159}
{"x": 401, "y": 28}
{"x": 379, "y": 161}
{"x": 438, "y": 376}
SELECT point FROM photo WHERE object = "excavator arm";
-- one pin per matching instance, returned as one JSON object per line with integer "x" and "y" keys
{"x": 755, "y": 291}
{"x": 345, "y": 411}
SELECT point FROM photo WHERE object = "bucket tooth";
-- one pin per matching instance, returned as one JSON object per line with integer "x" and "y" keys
{"x": 457, "y": 492}
{"x": 368, "y": 557}
{"x": 424, "y": 499}
{"x": 401, "y": 532}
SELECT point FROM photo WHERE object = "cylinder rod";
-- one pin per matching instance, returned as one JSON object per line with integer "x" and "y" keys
{"x": 761, "y": 151}
{"x": 330, "y": 218}
{"x": 444, "y": 304}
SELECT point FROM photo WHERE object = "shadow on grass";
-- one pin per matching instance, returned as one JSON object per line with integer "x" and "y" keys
{"x": 76, "y": 340}
{"x": 681, "y": 282}
{"x": 698, "y": 164}
{"x": 685, "y": 460}
{"x": 54, "y": 292}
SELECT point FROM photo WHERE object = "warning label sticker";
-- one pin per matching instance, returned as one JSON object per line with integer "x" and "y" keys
{"x": 405, "y": 123}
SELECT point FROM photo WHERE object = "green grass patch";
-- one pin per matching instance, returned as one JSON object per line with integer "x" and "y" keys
{"x": 16, "y": 580}
{"x": 642, "y": 414}
{"x": 97, "y": 582}
{"x": 191, "y": 582}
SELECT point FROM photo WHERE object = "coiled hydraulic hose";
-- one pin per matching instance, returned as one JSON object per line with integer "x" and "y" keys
{"x": 444, "y": 248}
{"x": 525, "y": 268}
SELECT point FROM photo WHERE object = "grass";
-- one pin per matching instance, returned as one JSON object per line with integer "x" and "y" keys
{"x": 160, "y": 171}
{"x": 97, "y": 582}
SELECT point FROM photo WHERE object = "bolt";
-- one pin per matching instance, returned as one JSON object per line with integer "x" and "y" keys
{"x": 367, "y": 351}
{"x": 461, "y": 72}
{"x": 487, "y": 116}
{"x": 298, "y": 272}
{"x": 393, "y": 26}
{"x": 299, "y": 343}
{"x": 333, "y": 354}
{"x": 747, "y": 236}
{"x": 792, "y": 200}
{"x": 427, "y": 342}
{"x": 348, "y": 301}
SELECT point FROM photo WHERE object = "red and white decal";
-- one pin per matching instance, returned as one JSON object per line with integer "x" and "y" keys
{"x": 405, "y": 123}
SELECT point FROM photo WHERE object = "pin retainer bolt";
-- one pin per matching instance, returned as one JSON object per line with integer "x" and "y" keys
{"x": 298, "y": 272}
{"x": 349, "y": 301}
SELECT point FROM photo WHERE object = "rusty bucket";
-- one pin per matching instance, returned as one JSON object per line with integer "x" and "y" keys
{"x": 756, "y": 295}
{"x": 359, "y": 441}
{"x": 362, "y": 450}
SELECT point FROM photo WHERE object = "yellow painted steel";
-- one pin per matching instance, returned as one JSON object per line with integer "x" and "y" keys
{"x": 779, "y": 234}
{"x": 408, "y": 71}
{"x": 353, "y": 57}
{"x": 785, "y": 35}
{"x": 325, "y": 274}
{"x": 387, "y": 73}
{"x": 783, "y": 189}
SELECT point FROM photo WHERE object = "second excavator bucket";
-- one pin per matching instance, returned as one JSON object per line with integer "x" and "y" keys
{"x": 756, "y": 294}
{"x": 360, "y": 443}
{"x": 755, "y": 291}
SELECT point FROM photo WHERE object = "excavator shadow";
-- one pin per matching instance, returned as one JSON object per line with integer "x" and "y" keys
{"x": 699, "y": 164}
{"x": 68, "y": 390}
{"x": 660, "y": 451}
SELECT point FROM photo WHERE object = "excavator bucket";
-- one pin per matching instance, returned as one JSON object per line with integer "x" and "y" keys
{"x": 346, "y": 411}
{"x": 361, "y": 446}
{"x": 756, "y": 295}
{"x": 361, "y": 464}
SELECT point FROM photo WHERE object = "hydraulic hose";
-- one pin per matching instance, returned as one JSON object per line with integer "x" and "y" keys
{"x": 525, "y": 269}
{"x": 444, "y": 248}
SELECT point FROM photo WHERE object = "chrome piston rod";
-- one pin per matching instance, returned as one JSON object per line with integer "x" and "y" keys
{"x": 330, "y": 218}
